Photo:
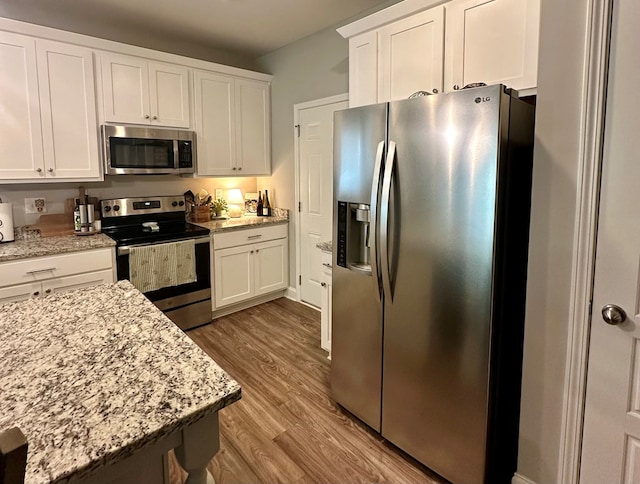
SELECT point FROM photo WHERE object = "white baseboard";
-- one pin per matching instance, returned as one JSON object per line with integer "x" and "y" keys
{"x": 519, "y": 479}
{"x": 291, "y": 293}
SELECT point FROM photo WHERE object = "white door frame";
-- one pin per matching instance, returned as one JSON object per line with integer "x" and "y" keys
{"x": 296, "y": 142}
{"x": 586, "y": 224}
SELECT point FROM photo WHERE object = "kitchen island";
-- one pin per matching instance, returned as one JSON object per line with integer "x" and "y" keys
{"x": 102, "y": 384}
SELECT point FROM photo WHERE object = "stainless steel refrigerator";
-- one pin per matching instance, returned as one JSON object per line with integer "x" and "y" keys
{"x": 431, "y": 221}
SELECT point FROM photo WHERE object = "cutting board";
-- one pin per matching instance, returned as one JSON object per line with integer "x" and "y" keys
{"x": 50, "y": 224}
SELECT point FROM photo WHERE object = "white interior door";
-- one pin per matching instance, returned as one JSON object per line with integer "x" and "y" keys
{"x": 315, "y": 155}
{"x": 611, "y": 439}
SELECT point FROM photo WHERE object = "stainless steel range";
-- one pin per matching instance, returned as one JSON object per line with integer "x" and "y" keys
{"x": 136, "y": 224}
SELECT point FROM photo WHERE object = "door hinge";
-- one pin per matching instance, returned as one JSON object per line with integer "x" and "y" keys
{"x": 297, "y": 126}
{"x": 300, "y": 279}
{"x": 299, "y": 206}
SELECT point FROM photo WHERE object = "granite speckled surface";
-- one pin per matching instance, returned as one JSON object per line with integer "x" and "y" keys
{"x": 242, "y": 223}
{"x": 42, "y": 246}
{"x": 324, "y": 246}
{"x": 92, "y": 375}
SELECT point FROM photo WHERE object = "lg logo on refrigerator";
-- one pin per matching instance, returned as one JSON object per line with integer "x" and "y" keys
{"x": 479, "y": 100}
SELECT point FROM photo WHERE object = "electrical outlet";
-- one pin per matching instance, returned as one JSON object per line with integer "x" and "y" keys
{"x": 35, "y": 205}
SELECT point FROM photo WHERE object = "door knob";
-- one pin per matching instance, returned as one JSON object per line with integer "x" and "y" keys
{"x": 613, "y": 314}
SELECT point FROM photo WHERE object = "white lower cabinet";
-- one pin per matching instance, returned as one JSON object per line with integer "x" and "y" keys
{"x": 325, "y": 303}
{"x": 249, "y": 263}
{"x": 53, "y": 274}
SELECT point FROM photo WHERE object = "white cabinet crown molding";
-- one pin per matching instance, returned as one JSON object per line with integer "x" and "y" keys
{"x": 82, "y": 40}
{"x": 387, "y": 15}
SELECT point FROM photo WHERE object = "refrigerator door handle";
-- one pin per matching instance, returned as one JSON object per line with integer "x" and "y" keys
{"x": 373, "y": 224}
{"x": 384, "y": 221}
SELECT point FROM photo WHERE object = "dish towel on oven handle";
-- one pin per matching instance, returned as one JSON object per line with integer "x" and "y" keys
{"x": 153, "y": 267}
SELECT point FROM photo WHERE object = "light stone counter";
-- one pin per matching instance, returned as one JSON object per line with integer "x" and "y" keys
{"x": 91, "y": 376}
{"x": 242, "y": 223}
{"x": 324, "y": 246}
{"x": 43, "y": 246}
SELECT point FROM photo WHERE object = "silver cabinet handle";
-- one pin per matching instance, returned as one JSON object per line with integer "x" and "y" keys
{"x": 50, "y": 170}
{"x": 373, "y": 223}
{"x": 327, "y": 265}
{"x": 384, "y": 221}
{"x": 234, "y": 168}
{"x": 146, "y": 116}
{"x": 37, "y": 293}
{"x": 39, "y": 170}
{"x": 38, "y": 271}
{"x": 251, "y": 252}
{"x": 239, "y": 168}
{"x": 48, "y": 291}
{"x": 456, "y": 87}
{"x": 155, "y": 117}
{"x": 251, "y": 237}
{"x": 435, "y": 91}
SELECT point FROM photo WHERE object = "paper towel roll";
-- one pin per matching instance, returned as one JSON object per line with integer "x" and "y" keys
{"x": 6, "y": 222}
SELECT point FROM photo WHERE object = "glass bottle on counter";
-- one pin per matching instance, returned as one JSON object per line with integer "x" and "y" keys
{"x": 260, "y": 205}
{"x": 266, "y": 208}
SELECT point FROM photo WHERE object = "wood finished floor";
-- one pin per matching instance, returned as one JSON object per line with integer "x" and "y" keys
{"x": 286, "y": 428}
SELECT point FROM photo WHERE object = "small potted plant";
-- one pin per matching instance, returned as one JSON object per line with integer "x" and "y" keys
{"x": 218, "y": 206}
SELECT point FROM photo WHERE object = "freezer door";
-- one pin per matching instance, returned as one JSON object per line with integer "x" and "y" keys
{"x": 356, "y": 342}
{"x": 440, "y": 258}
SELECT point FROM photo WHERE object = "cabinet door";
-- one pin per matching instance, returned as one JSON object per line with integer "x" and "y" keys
{"x": 233, "y": 275}
{"x": 125, "y": 87}
{"x": 411, "y": 55}
{"x": 215, "y": 124}
{"x": 253, "y": 127}
{"x": 68, "y": 108}
{"x": 271, "y": 266}
{"x": 21, "y": 139}
{"x": 169, "y": 95}
{"x": 60, "y": 284}
{"x": 492, "y": 41}
{"x": 20, "y": 292}
{"x": 363, "y": 69}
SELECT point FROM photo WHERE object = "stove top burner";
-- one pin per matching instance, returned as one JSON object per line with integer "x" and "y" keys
{"x": 147, "y": 220}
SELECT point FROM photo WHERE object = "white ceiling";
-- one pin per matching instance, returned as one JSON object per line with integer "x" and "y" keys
{"x": 249, "y": 27}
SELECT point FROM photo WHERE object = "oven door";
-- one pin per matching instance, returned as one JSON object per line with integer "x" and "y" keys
{"x": 187, "y": 305}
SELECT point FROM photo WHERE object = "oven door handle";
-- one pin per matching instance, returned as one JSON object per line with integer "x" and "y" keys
{"x": 124, "y": 250}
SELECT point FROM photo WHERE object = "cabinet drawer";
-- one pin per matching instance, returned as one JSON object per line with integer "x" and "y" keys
{"x": 224, "y": 240}
{"x": 42, "y": 268}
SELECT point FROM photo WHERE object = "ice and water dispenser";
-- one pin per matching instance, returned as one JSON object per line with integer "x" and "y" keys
{"x": 354, "y": 236}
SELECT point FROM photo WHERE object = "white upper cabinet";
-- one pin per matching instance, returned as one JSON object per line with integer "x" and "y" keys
{"x": 492, "y": 41}
{"x": 363, "y": 69}
{"x": 405, "y": 48}
{"x": 411, "y": 55}
{"x": 141, "y": 92}
{"x": 68, "y": 109}
{"x": 49, "y": 125}
{"x": 232, "y": 124}
{"x": 21, "y": 134}
{"x": 253, "y": 132}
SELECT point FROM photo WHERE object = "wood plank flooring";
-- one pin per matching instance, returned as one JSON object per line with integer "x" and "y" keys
{"x": 286, "y": 428}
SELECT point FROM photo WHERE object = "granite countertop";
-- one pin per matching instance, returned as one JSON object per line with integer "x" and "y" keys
{"x": 325, "y": 246}
{"x": 91, "y": 375}
{"x": 242, "y": 223}
{"x": 42, "y": 246}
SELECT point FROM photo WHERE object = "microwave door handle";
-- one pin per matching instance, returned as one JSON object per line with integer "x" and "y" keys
{"x": 176, "y": 155}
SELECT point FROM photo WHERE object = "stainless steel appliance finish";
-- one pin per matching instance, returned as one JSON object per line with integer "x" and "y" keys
{"x": 135, "y": 150}
{"x": 427, "y": 348}
{"x": 142, "y": 221}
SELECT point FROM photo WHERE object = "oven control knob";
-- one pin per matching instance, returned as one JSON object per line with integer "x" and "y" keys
{"x": 107, "y": 208}
{"x": 116, "y": 208}
{"x": 181, "y": 203}
{"x": 174, "y": 204}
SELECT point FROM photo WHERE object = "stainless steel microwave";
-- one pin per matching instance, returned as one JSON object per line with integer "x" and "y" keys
{"x": 133, "y": 150}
